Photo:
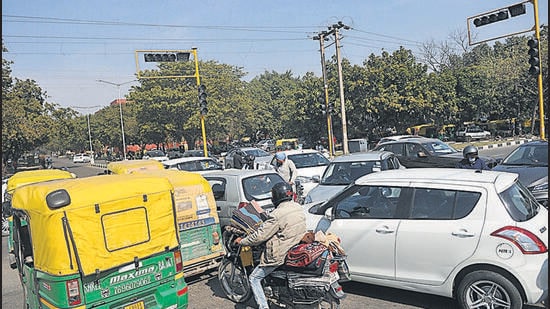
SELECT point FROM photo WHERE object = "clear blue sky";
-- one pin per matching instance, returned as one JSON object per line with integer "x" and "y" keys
{"x": 66, "y": 46}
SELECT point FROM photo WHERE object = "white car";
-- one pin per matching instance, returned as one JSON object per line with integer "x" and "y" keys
{"x": 345, "y": 169}
{"x": 471, "y": 133}
{"x": 81, "y": 158}
{"x": 193, "y": 164}
{"x": 158, "y": 155}
{"x": 478, "y": 237}
{"x": 311, "y": 164}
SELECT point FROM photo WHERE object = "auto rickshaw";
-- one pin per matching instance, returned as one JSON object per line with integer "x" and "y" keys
{"x": 197, "y": 220}
{"x": 131, "y": 166}
{"x": 107, "y": 241}
{"x": 20, "y": 179}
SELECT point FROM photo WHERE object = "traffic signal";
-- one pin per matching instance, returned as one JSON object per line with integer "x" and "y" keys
{"x": 331, "y": 107}
{"x": 511, "y": 11}
{"x": 167, "y": 57}
{"x": 202, "y": 100}
{"x": 322, "y": 105}
{"x": 534, "y": 56}
{"x": 491, "y": 18}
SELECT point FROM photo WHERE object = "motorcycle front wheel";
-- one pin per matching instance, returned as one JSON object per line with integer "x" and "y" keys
{"x": 234, "y": 281}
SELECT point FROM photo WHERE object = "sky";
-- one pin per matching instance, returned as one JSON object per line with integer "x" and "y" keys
{"x": 67, "y": 46}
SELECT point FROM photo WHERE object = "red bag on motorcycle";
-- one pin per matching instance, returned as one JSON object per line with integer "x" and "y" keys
{"x": 307, "y": 258}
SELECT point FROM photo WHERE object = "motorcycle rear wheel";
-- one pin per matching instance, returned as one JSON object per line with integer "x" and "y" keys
{"x": 234, "y": 282}
{"x": 329, "y": 302}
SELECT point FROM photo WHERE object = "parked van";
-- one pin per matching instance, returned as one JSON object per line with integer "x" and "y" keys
{"x": 106, "y": 241}
{"x": 196, "y": 218}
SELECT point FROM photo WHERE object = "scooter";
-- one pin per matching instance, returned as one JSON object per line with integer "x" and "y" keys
{"x": 286, "y": 286}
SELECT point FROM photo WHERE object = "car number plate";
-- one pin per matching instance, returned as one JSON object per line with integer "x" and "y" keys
{"x": 138, "y": 305}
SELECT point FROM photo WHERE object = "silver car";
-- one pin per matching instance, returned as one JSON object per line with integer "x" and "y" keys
{"x": 344, "y": 170}
{"x": 234, "y": 188}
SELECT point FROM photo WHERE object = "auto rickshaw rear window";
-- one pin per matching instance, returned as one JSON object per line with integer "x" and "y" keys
{"x": 132, "y": 223}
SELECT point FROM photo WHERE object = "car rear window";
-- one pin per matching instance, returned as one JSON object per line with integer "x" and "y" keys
{"x": 519, "y": 202}
{"x": 258, "y": 187}
{"x": 303, "y": 160}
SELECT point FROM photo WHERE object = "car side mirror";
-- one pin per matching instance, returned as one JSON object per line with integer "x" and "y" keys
{"x": 316, "y": 178}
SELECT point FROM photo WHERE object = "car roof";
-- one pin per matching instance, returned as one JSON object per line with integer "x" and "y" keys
{"x": 455, "y": 176}
{"x": 420, "y": 139}
{"x": 535, "y": 143}
{"x": 186, "y": 159}
{"x": 299, "y": 151}
{"x": 238, "y": 172}
{"x": 363, "y": 156}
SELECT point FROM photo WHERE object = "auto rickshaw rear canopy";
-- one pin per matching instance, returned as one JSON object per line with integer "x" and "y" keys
{"x": 110, "y": 220}
{"x": 27, "y": 177}
{"x": 131, "y": 166}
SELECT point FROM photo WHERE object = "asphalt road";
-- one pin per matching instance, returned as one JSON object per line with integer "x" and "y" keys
{"x": 205, "y": 291}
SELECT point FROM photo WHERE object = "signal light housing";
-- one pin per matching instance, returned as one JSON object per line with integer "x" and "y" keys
{"x": 202, "y": 100}
{"x": 166, "y": 57}
{"x": 534, "y": 56}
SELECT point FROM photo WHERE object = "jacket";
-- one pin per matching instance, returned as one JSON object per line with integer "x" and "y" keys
{"x": 284, "y": 228}
{"x": 478, "y": 164}
{"x": 287, "y": 170}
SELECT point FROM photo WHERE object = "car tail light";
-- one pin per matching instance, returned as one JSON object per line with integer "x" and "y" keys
{"x": 178, "y": 260}
{"x": 526, "y": 241}
{"x": 242, "y": 204}
{"x": 73, "y": 292}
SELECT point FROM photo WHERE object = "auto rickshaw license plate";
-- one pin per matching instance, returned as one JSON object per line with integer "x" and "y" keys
{"x": 138, "y": 305}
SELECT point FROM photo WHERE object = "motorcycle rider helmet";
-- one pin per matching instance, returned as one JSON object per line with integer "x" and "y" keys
{"x": 470, "y": 152}
{"x": 281, "y": 191}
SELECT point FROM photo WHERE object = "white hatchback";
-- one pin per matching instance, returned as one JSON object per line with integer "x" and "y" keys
{"x": 478, "y": 237}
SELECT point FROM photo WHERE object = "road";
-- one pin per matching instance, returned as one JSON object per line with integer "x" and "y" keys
{"x": 205, "y": 291}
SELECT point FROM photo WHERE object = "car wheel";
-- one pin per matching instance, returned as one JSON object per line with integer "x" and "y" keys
{"x": 487, "y": 289}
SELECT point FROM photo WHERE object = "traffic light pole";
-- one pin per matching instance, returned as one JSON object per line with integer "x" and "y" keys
{"x": 329, "y": 114}
{"x": 203, "y": 129}
{"x": 539, "y": 76}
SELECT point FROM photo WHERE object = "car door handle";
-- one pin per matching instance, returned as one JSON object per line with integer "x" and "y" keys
{"x": 462, "y": 233}
{"x": 384, "y": 230}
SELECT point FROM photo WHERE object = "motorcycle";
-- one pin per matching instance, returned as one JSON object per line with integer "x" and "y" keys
{"x": 286, "y": 286}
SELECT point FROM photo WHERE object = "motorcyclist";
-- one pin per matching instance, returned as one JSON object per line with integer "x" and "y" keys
{"x": 284, "y": 228}
{"x": 471, "y": 159}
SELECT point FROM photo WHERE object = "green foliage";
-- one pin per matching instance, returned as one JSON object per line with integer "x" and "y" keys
{"x": 391, "y": 90}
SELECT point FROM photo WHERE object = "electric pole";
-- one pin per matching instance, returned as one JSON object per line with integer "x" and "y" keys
{"x": 336, "y": 27}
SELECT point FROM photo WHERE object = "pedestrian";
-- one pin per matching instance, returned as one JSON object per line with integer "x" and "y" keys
{"x": 238, "y": 160}
{"x": 285, "y": 167}
{"x": 471, "y": 159}
{"x": 284, "y": 228}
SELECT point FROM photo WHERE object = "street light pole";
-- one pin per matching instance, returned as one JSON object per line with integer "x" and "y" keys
{"x": 120, "y": 109}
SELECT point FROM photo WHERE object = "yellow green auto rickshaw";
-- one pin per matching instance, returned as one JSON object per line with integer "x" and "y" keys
{"x": 197, "y": 220}
{"x": 107, "y": 241}
{"x": 20, "y": 179}
{"x": 131, "y": 166}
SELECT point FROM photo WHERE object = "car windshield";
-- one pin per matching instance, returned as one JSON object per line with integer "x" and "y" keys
{"x": 257, "y": 152}
{"x": 438, "y": 148}
{"x": 199, "y": 165}
{"x": 528, "y": 155}
{"x": 302, "y": 160}
{"x": 519, "y": 202}
{"x": 344, "y": 173}
{"x": 258, "y": 187}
